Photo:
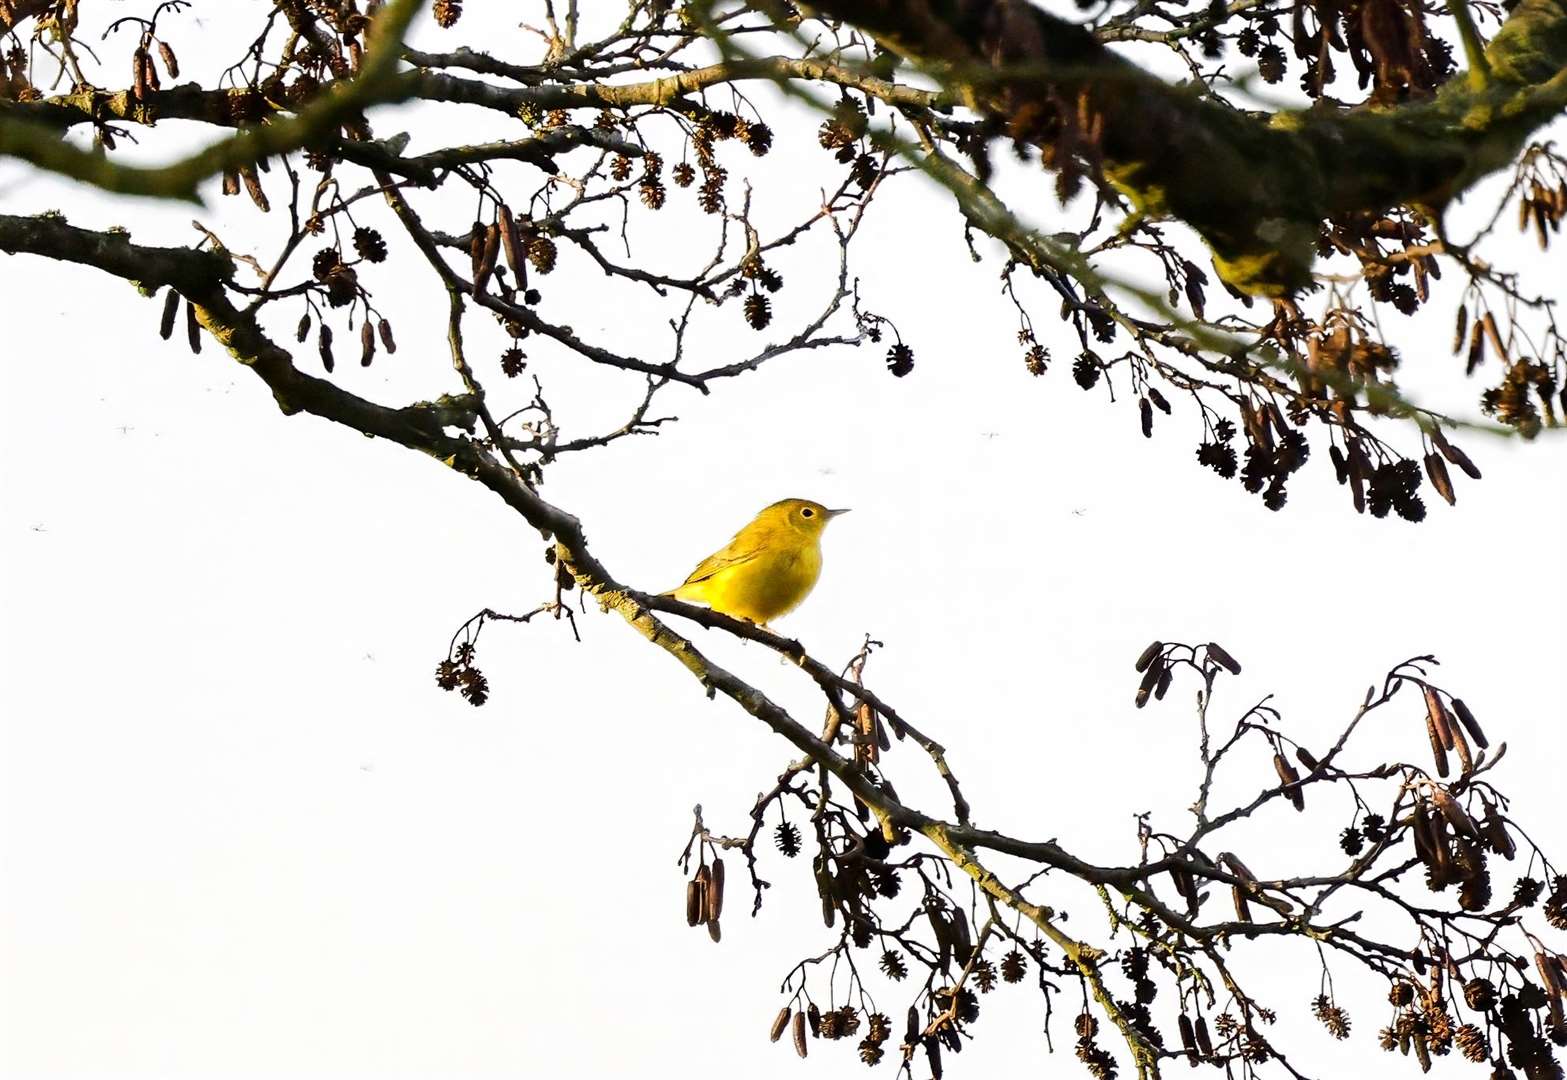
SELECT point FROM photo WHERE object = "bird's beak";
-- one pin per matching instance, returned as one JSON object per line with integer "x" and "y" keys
{"x": 834, "y": 513}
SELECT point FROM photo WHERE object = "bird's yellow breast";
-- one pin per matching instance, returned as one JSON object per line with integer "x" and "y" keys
{"x": 762, "y": 588}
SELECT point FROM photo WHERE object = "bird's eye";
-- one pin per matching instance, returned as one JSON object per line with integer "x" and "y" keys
{"x": 806, "y": 511}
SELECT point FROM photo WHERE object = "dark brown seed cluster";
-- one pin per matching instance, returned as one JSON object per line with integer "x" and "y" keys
{"x": 1101, "y": 1065}
{"x": 1331, "y": 1016}
{"x": 1014, "y": 966}
{"x": 900, "y": 359}
{"x": 843, "y": 129}
{"x": 1086, "y": 369}
{"x": 369, "y": 244}
{"x": 1556, "y": 903}
{"x": 459, "y": 672}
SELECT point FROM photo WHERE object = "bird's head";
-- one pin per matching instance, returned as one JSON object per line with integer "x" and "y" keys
{"x": 802, "y": 515}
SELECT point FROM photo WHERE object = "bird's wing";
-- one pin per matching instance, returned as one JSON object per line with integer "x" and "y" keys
{"x": 734, "y": 553}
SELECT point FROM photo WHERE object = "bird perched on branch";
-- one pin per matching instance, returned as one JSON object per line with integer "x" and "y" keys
{"x": 768, "y": 568}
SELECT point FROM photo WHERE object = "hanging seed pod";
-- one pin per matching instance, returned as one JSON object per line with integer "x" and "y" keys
{"x": 714, "y": 932}
{"x": 141, "y": 81}
{"x": 1146, "y": 657}
{"x": 231, "y": 181}
{"x": 866, "y": 746}
{"x": 1476, "y": 355}
{"x": 1204, "y": 1043}
{"x": 1306, "y": 759}
{"x": 1242, "y": 908}
{"x": 247, "y": 173}
{"x": 1460, "y": 328}
{"x": 1439, "y": 849}
{"x": 1188, "y": 1037}
{"x": 1219, "y": 653}
{"x": 1466, "y": 762}
{"x": 933, "y": 1058}
{"x": 962, "y": 942}
{"x": 1150, "y": 680}
{"x": 1467, "y": 719}
{"x": 387, "y": 341}
{"x": 304, "y": 328}
{"x": 798, "y": 1030}
{"x": 1146, "y": 410}
{"x": 780, "y": 1022}
{"x": 715, "y": 892}
{"x": 192, "y": 328}
{"x": 1340, "y": 464}
{"x": 366, "y": 344}
{"x": 703, "y": 876}
{"x": 1546, "y": 965}
{"x": 1184, "y": 884}
{"x": 693, "y": 902}
{"x": 476, "y": 238}
{"x": 825, "y": 888}
{"x": 1488, "y": 321}
{"x": 1438, "y": 744}
{"x": 1440, "y": 719}
{"x": 1290, "y": 779}
{"x": 1277, "y": 416}
{"x": 171, "y": 63}
{"x": 814, "y": 1016}
{"x": 488, "y": 253}
{"x": 1454, "y": 455}
{"x": 1454, "y": 813}
{"x": 511, "y": 243}
{"x": 171, "y": 308}
{"x": 1436, "y": 470}
{"x": 1420, "y": 830}
{"x": 940, "y": 928}
{"x": 324, "y": 344}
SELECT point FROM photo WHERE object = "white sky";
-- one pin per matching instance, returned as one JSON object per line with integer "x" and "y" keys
{"x": 242, "y": 833}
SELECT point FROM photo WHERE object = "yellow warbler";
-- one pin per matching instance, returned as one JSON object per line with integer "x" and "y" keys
{"x": 768, "y": 568}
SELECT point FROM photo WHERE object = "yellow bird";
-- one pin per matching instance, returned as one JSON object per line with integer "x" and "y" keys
{"x": 768, "y": 568}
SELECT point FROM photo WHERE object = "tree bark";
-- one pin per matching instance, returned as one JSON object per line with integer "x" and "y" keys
{"x": 1255, "y": 187}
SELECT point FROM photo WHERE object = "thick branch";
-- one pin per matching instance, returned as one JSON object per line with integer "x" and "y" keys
{"x": 1255, "y": 189}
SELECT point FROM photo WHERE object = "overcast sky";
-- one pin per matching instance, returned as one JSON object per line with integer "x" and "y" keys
{"x": 242, "y": 833}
